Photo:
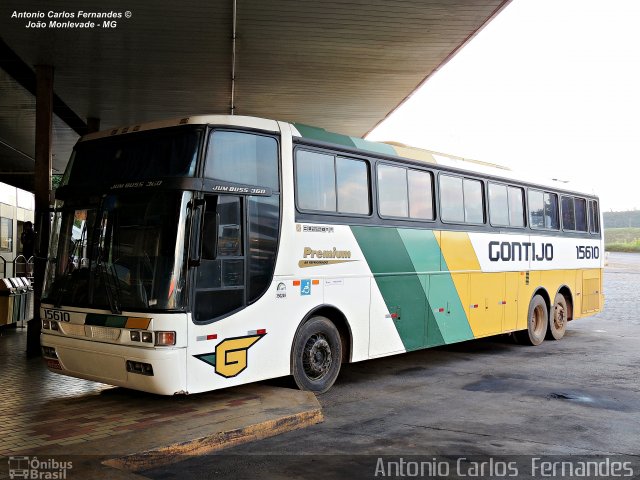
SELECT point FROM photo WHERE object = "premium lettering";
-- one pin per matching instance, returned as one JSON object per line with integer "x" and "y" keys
{"x": 335, "y": 253}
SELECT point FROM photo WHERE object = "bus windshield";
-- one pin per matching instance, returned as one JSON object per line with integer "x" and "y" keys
{"x": 119, "y": 252}
{"x": 168, "y": 152}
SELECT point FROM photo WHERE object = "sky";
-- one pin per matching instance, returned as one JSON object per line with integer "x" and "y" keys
{"x": 550, "y": 87}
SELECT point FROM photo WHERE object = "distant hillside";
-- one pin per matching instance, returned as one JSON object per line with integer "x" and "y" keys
{"x": 621, "y": 219}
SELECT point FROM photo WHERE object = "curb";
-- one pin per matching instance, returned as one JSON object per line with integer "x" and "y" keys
{"x": 220, "y": 440}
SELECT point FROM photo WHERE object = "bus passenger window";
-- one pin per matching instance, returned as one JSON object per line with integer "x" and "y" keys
{"x": 498, "y": 205}
{"x": 551, "y": 219}
{"x": 353, "y": 186}
{"x": 536, "y": 209}
{"x": 543, "y": 210}
{"x": 315, "y": 181}
{"x": 594, "y": 217}
{"x": 581, "y": 214}
{"x": 473, "y": 201}
{"x": 392, "y": 191}
{"x": 516, "y": 207}
{"x": 420, "y": 195}
{"x": 451, "y": 199}
{"x": 568, "y": 214}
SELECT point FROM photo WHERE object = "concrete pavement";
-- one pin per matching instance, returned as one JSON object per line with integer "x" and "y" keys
{"x": 44, "y": 414}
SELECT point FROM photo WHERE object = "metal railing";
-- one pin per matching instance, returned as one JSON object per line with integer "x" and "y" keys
{"x": 18, "y": 267}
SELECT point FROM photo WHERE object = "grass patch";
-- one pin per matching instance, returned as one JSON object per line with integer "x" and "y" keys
{"x": 622, "y": 240}
{"x": 623, "y": 247}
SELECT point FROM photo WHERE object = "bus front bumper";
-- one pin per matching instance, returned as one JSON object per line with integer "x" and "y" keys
{"x": 119, "y": 365}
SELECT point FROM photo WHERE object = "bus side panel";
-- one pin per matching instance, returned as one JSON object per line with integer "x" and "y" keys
{"x": 536, "y": 261}
{"x": 461, "y": 261}
{"x": 591, "y": 292}
{"x": 255, "y": 343}
{"x": 384, "y": 338}
{"x": 352, "y": 296}
{"x": 512, "y": 289}
{"x": 422, "y": 302}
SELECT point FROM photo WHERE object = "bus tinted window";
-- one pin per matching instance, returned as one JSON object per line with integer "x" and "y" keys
{"x": 315, "y": 181}
{"x": 392, "y": 191}
{"x": 353, "y": 186}
{"x": 581, "y": 214}
{"x": 330, "y": 184}
{"x": 264, "y": 221}
{"x": 551, "y": 219}
{"x": 498, "y": 204}
{"x": 473, "y": 201}
{"x": 243, "y": 158}
{"x": 543, "y": 210}
{"x": 568, "y": 214}
{"x": 516, "y": 207}
{"x": 153, "y": 154}
{"x": 220, "y": 275}
{"x": 420, "y": 195}
{"x": 594, "y": 217}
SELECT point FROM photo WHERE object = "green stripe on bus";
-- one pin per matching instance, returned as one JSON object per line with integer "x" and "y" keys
{"x": 403, "y": 290}
{"x": 374, "y": 146}
{"x": 425, "y": 253}
{"x": 412, "y": 258}
{"x": 315, "y": 133}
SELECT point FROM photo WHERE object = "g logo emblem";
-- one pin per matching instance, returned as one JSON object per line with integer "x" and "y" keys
{"x": 231, "y": 355}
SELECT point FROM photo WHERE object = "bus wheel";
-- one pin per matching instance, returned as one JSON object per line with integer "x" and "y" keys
{"x": 558, "y": 323}
{"x": 317, "y": 354}
{"x": 537, "y": 322}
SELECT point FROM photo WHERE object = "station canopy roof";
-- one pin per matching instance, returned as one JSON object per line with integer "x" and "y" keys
{"x": 340, "y": 65}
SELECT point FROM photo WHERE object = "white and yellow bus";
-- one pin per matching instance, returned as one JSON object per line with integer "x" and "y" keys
{"x": 212, "y": 251}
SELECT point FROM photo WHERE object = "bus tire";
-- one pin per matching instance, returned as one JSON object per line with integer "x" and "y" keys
{"x": 316, "y": 355}
{"x": 537, "y": 321}
{"x": 559, "y": 318}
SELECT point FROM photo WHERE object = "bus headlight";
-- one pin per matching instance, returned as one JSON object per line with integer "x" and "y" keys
{"x": 165, "y": 338}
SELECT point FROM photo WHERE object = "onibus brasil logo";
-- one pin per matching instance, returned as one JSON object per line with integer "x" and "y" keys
{"x": 38, "y": 469}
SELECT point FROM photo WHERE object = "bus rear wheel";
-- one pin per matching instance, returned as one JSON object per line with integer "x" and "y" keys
{"x": 559, "y": 318}
{"x": 537, "y": 321}
{"x": 316, "y": 355}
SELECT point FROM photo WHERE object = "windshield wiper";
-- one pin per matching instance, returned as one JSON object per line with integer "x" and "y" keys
{"x": 110, "y": 281}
